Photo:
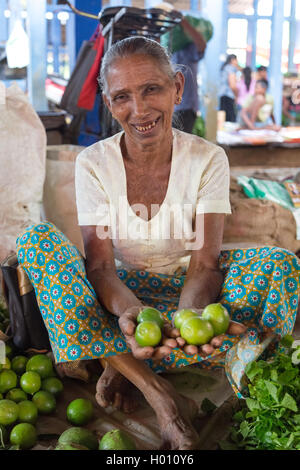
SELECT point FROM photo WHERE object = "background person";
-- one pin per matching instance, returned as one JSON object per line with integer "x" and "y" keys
{"x": 245, "y": 86}
{"x": 189, "y": 57}
{"x": 258, "y": 109}
{"x": 90, "y": 305}
{"x": 228, "y": 87}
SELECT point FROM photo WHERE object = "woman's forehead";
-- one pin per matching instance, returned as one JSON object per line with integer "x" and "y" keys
{"x": 134, "y": 68}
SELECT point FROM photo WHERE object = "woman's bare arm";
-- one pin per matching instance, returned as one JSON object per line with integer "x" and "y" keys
{"x": 113, "y": 294}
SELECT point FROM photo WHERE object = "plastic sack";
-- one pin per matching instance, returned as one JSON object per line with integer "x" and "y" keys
{"x": 264, "y": 189}
{"x": 59, "y": 201}
{"x": 22, "y": 158}
{"x": 179, "y": 39}
{"x": 17, "y": 47}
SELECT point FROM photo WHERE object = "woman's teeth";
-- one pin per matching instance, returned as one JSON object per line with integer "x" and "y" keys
{"x": 146, "y": 128}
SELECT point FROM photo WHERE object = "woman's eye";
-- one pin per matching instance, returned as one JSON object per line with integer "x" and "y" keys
{"x": 119, "y": 98}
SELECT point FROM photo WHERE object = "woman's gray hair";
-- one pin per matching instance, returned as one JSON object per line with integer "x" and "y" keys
{"x": 135, "y": 45}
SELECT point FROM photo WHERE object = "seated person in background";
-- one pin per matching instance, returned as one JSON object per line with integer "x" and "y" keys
{"x": 245, "y": 86}
{"x": 257, "y": 112}
{"x": 291, "y": 108}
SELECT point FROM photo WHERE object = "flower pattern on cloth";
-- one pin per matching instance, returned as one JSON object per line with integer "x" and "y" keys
{"x": 260, "y": 289}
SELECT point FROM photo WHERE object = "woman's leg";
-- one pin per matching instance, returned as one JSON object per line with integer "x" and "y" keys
{"x": 174, "y": 412}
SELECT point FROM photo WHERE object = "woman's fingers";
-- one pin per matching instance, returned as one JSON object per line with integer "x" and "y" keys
{"x": 170, "y": 331}
{"x": 207, "y": 349}
{"x": 180, "y": 341}
{"x": 236, "y": 328}
{"x": 161, "y": 352}
{"x": 217, "y": 341}
{"x": 170, "y": 342}
{"x": 190, "y": 349}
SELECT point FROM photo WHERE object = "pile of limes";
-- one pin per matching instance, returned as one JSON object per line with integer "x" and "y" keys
{"x": 4, "y": 316}
{"x": 28, "y": 388}
{"x": 198, "y": 329}
{"x": 78, "y": 438}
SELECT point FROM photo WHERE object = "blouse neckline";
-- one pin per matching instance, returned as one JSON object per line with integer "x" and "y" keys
{"x": 170, "y": 181}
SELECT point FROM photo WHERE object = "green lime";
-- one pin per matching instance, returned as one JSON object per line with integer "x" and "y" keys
{"x": 30, "y": 382}
{"x": 16, "y": 394}
{"x": 117, "y": 440}
{"x": 148, "y": 333}
{"x": 150, "y": 314}
{"x": 218, "y": 316}
{"x": 18, "y": 364}
{"x": 9, "y": 411}
{"x": 41, "y": 364}
{"x": 53, "y": 385}
{"x": 71, "y": 446}
{"x": 23, "y": 435}
{"x": 28, "y": 412}
{"x": 8, "y": 380}
{"x": 77, "y": 435}
{"x": 183, "y": 315}
{"x": 196, "y": 331}
{"x": 44, "y": 401}
{"x": 80, "y": 411}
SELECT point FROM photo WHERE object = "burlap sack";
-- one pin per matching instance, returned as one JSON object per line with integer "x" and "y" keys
{"x": 22, "y": 157}
{"x": 258, "y": 221}
{"x": 59, "y": 201}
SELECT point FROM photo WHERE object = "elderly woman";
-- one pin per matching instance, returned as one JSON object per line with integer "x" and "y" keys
{"x": 151, "y": 205}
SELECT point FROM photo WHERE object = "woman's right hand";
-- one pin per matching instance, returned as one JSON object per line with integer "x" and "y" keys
{"x": 128, "y": 324}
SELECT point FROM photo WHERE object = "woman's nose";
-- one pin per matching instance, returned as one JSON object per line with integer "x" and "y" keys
{"x": 139, "y": 105}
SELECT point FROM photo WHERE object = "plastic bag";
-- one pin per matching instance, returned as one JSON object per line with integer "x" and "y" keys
{"x": 179, "y": 39}
{"x": 17, "y": 47}
{"x": 265, "y": 189}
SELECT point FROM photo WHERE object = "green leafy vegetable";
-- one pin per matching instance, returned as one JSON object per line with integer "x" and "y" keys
{"x": 269, "y": 418}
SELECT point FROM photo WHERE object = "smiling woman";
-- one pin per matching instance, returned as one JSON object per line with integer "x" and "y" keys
{"x": 126, "y": 189}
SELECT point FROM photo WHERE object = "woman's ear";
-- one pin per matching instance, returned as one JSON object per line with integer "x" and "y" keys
{"x": 179, "y": 83}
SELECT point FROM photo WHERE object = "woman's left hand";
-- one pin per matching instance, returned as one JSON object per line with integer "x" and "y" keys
{"x": 234, "y": 328}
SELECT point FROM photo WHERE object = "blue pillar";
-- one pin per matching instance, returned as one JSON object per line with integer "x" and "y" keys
{"x": 37, "y": 69}
{"x": 3, "y": 21}
{"x": 213, "y": 10}
{"x": 275, "y": 76}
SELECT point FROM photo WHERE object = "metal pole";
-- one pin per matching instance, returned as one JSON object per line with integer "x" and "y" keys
{"x": 275, "y": 76}
{"x": 37, "y": 69}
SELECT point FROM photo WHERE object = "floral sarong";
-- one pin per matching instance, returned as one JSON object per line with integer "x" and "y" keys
{"x": 260, "y": 289}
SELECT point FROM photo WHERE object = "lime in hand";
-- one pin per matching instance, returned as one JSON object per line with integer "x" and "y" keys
{"x": 183, "y": 315}
{"x": 197, "y": 331}
{"x": 148, "y": 333}
{"x": 150, "y": 314}
{"x": 218, "y": 316}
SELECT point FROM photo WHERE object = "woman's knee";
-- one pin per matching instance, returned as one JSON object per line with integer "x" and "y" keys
{"x": 33, "y": 234}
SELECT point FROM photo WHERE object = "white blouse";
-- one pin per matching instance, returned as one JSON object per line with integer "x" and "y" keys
{"x": 198, "y": 184}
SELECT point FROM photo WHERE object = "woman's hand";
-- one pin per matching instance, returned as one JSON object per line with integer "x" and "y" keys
{"x": 234, "y": 328}
{"x": 128, "y": 324}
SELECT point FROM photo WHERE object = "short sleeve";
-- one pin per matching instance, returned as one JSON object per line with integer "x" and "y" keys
{"x": 213, "y": 192}
{"x": 93, "y": 206}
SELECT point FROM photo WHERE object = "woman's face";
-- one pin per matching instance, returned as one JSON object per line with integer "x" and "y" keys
{"x": 141, "y": 97}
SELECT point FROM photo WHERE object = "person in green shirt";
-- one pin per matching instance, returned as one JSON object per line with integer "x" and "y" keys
{"x": 257, "y": 111}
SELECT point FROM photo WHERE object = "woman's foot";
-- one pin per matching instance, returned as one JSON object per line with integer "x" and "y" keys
{"x": 114, "y": 390}
{"x": 175, "y": 414}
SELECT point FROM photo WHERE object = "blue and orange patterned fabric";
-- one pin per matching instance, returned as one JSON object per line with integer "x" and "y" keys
{"x": 260, "y": 289}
